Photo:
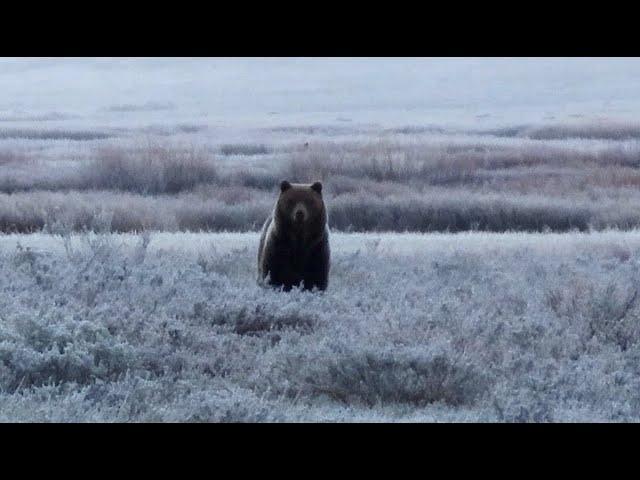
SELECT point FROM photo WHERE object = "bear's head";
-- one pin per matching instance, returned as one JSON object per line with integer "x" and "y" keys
{"x": 300, "y": 207}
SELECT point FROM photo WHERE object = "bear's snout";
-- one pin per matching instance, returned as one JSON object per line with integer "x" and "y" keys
{"x": 300, "y": 213}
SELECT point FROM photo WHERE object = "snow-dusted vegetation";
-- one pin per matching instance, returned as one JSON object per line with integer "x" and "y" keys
{"x": 402, "y": 145}
{"x": 438, "y": 327}
{"x": 485, "y": 247}
{"x": 385, "y": 180}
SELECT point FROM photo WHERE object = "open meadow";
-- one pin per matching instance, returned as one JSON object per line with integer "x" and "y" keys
{"x": 401, "y": 144}
{"x": 485, "y": 240}
{"x": 413, "y": 327}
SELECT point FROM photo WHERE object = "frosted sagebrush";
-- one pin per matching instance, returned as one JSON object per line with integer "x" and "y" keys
{"x": 184, "y": 177}
{"x": 375, "y": 378}
{"x": 154, "y": 170}
{"x": 172, "y": 327}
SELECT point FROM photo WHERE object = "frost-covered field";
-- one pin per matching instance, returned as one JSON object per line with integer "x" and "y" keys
{"x": 170, "y": 325}
{"x": 437, "y": 327}
{"x": 427, "y": 144}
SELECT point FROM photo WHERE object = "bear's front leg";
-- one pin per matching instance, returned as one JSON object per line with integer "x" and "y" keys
{"x": 283, "y": 275}
{"x": 317, "y": 269}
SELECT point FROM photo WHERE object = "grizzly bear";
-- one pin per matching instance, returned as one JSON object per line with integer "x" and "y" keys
{"x": 294, "y": 245}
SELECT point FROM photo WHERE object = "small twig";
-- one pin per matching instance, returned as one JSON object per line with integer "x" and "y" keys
{"x": 20, "y": 384}
{"x": 628, "y": 306}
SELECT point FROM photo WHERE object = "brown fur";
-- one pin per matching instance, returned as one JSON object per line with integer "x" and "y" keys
{"x": 295, "y": 251}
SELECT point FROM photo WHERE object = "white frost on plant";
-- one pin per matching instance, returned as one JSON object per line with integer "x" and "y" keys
{"x": 467, "y": 327}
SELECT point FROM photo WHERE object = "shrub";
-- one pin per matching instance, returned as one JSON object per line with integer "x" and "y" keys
{"x": 154, "y": 170}
{"x": 455, "y": 213}
{"x": 244, "y": 149}
{"x": 37, "y": 134}
{"x": 385, "y": 377}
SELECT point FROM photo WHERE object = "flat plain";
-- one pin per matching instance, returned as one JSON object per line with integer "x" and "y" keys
{"x": 485, "y": 240}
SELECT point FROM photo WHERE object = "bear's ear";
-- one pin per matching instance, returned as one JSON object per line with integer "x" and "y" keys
{"x": 284, "y": 186}
{"x": 317, "y": 187}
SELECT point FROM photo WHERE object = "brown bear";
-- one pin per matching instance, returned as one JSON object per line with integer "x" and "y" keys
{"x": 294, "y": 245}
